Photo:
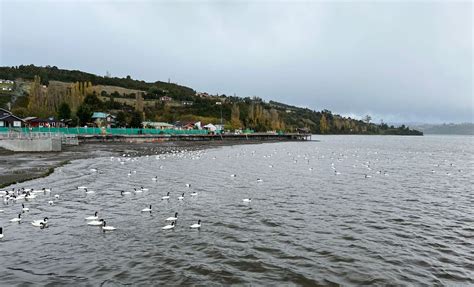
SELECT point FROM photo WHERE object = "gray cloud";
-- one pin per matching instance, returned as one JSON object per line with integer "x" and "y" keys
{"x": 398, "y": 61}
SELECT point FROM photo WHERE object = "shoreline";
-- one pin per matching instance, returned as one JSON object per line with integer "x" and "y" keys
{"x": 17, "y": 167}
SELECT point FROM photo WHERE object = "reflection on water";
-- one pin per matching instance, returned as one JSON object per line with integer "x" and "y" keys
{"x": 347, "y": 210}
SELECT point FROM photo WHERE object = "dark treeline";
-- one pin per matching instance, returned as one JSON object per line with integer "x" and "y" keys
{"x": 53, "y": 73}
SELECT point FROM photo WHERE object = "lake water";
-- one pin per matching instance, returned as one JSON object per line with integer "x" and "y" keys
{"x": 350, "y": 210}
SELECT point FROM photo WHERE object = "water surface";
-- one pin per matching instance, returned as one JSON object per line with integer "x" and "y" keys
{"x": 351, "y": 210}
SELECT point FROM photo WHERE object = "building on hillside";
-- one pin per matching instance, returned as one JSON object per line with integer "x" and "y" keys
{"x": 158, "y": 125}
{"x": 101, "y": 119}
{"x": 210, "y": 127}
{"x": 203, "y": 95}
{"x": 51, "y": 122}
{"x": 166, "y": 99}
{"x": 184, "y": 125}
{"x": 187, "y": 103}
{"x": 9, "y": 120}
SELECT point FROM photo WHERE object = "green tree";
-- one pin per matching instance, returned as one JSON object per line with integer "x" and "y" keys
{"x": 367, "y": 119}
{"x": 136, "y": 120}
{"x": 235, "y": 117}
{"x": 121, "y": 120}
{"x": 93, "y": 102}
{"x": 64, "y": 111}
{"x": 323, "y": 124}
{"x": 84, "y": 114}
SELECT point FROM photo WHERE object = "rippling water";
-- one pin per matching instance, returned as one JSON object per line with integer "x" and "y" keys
{"x": 315, "y": 219}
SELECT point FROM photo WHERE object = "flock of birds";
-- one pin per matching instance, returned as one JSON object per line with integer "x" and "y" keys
{"x": 25, "y": 195}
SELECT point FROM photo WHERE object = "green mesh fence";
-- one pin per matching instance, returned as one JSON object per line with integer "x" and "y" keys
{"x": 108, "y": 131}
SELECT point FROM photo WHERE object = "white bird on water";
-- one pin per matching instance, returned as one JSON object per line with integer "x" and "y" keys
{"x": 148, "y": 209}
{"x": 247, "y": 200}
{"x": 167, "y": 196}
{"x": 123, "y": 193}
{"x": 96, "y": 222}
{"x": 169, "y": 226}
{"x": 24, "y": 209}
{"x": 181, "y": 197}
{"x": 107, "y": 228}
{"x": 173, "y": 218}
{"x": 1, "y": 232}
{"x": 196, "y": 225}
{"x": 40, "y": 223}
{"x": 16, "y": 219}
{"x": 95, "y": 217}
{"x": 89, "y": 191}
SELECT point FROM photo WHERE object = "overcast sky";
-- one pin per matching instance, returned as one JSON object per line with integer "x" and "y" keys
{"x": 398, "y": 61}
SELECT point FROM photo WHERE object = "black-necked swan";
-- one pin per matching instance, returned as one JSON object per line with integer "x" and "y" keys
{"x": 95, "y": 217}
{"x": 123, "y": 193}
{"x": 56, "y": 196}
{"x": 137, "y": 190}
{"x": 144, "y": 189}
{"x": 194, "y": 193}
{"x": 155, "y": 178}
{"x": 188, "y": 185}
{"x": 173, "y": 218}
{"x": 81, "y": 187}
{"x": 40, "y": 223}
{"x": 24, "y": 209}
{"x": 16, "y": 219}
{"x": 1, "y": 232}
{"x": 89, "y": 191}
{"x": 148, "y": 209}
{"x": 181, "y": 197}
{"x": 196, "y": 225}
{"x": 50, "y": 202}
{"x": 95, "y": 222}
{"x": 166, "y": 197}
{"x": 169, "y": 226}
{"x": 247, "y": 200}
{"x": 107, "y": 228}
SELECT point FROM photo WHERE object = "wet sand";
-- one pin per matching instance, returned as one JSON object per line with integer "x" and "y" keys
{"x": 19, "y": 167}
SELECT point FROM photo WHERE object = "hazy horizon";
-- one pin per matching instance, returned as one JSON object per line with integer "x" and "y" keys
{"x": 400, "y": 62}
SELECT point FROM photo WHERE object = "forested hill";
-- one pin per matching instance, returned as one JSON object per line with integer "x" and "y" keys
{"x": 50, "y": 91}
